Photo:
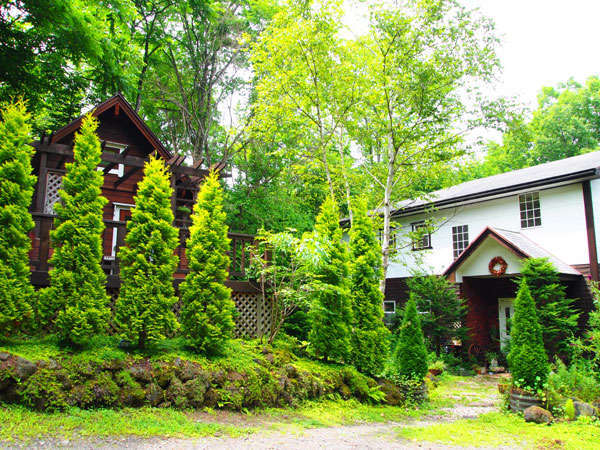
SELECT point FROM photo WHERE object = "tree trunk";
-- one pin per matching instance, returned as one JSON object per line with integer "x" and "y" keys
{"x": 387, "y": 209}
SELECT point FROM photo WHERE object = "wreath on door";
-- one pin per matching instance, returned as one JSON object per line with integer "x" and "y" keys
{"x": 497, "y": 266}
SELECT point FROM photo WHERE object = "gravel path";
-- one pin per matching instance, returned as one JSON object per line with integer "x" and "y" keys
{"x": 363, "y": 436}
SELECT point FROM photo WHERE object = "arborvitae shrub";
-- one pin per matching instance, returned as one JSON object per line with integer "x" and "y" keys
{"x": 370, "y": 337}
{"x": 557, "y": 314}
{"x": 330, "y": 312}
{"x": 410, "y": 354}
{"x": 207, "y": 309}
{"x": 441, "y": 309}
{"x": 527, "y": 359}
{"x": 76, "y": 298}
{"x": 16, "y": 190}
{"x": 144, "y": 309}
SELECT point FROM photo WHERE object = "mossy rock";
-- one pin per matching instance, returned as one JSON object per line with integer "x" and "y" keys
{"x": 154, "y": 394}
{"x": 141, "y": 371}
{"x": 186, "y": 370}
{"x": 43, "y": 391}
{"x": 176, "y": 393}
{"x": 393, "y": 394}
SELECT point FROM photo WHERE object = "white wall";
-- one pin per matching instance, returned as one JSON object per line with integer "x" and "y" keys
{"x": 595, "y": 188}
{"x": 562, "y": 233}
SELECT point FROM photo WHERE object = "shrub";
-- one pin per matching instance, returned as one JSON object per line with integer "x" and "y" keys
{"x": 144, "y": 307}
{"x": 574, "y": 381}
{"x": 16, "y": 190}
{"x": 441, "y": 309}
{"x": 410, "y": 354}
{"x": 207, "y": 309}
{"x": 370, "y": 337}
{"x": 330, "y": 312}
{"x": 556, "y": 314}
{"x": 77, "y": 298}
{"x": 527, "y": 359}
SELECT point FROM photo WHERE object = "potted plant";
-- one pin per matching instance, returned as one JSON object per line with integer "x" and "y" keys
{"x": 437, "y": 367}
{"x": 527, "y": 359}
{"x": 492, "y": 360}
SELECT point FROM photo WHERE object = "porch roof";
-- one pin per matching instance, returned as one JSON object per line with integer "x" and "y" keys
{"x": 517, "y": 243}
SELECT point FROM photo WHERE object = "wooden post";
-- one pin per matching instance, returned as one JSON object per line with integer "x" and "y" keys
{"x": 588, "y": 205}
{"x": 45, "y": 225}
{"x": 41, "y": 182}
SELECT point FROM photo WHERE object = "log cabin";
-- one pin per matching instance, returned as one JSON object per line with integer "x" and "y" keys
{"x": 127, "y": 143}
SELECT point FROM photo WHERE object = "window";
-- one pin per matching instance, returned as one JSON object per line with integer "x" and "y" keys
{"x": 116, "y": 148}
{"x": 460, "y": 239}
{"x": 529, "y": 205}
{"x": 421, "y": 236}
{"x": 389, "y": 307}
{"x": 393, "y": 235}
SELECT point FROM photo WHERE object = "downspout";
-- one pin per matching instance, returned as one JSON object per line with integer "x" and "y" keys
{"x": 591, "y": 229}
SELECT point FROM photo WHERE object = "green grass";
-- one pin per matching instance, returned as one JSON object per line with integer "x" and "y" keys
{"x": 21, "y": 424}
{"x": 506, "y": 429}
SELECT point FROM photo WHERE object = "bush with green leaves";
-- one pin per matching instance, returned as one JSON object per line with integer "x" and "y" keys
{"x": 76, "y": 299}
{"x": 16, "y": 190}
{"x": 370, "y": 337}
{"x": 409, "y": 360}
{"x": 207, "y": 309}
{"x": 557, "y": 314}
{"x": 144, "y": 309}
{"x": 330, "y": 312}
{"x": 527, "y": 360}
{"x": 442, "y": 309}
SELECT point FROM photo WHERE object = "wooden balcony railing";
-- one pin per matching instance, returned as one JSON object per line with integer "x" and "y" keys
{"x": 113, "y": 237}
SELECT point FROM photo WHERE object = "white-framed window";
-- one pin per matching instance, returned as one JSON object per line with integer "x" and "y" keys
{"x": 529, "y": 207}
{"x": 113, "y": 147}
{"x": 421, "y": 236}
{"x": 460, "y": 239}
{"x": 393, "y": 241}
{"x": 389, "y": 307}
{"x": 119, "y": 208}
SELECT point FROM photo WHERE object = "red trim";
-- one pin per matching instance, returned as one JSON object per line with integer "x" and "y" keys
{"x": 119, "y": 102}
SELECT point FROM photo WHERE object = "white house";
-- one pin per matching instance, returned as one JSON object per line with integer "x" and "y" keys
{"x": 480, "y": 231}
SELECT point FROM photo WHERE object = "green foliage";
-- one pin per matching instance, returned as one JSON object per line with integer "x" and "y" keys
{"x": 330, "y": 311}
{"x": 410, "y": 354}
{"x": 144, "y": 307}
{"x": 574, "y": 381}
{"x": 527, "y": 359}
{"x": 557, "y": 314}
{"x": 570, "y": 409}
{"x": 16, "y": 190}
{"x": 442, "y": 309}
{"x": 207, "y": 309}
{"x": 370, "y": 337}
{"x": 76, "y": 300}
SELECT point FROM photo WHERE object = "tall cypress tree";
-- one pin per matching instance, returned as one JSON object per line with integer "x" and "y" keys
{"x": 208, "y": 311}
{"x": 16, "y": 190}
{"x": 527, "y": 358}
{"x": 410, "y": 354}
{"x": 144, "y": 308}
{"x": 369, "y": 334}
{"x": 331, "y": 313}
{"x": 557, "y": 314}
{"x": 77, "y": 294}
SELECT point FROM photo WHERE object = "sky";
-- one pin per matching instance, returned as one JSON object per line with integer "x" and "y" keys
{"x": 543, "y": 42}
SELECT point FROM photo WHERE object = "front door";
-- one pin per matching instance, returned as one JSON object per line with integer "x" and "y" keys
{"x": 506, "y": 311}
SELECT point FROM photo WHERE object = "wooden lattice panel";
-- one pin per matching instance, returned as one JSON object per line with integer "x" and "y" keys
{"x": 253, "y": 317}
{"x": 53, "y": 185}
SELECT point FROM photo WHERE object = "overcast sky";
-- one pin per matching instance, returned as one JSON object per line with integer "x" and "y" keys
{"x": 544, "y": 42}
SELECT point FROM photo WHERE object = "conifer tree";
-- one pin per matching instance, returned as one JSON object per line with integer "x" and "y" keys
{"x": 410, "y": 354}
{"x": 144, "y": 309}
{"x": 527, "y": 358}
{"x": 557, "y": 314}
{"x": 208, "y": 311}
{"x": 331, "y": 313}
{"x": 16, "y": 190}
{"x": 369, "y": 334}
{"x": 77, "y": 298}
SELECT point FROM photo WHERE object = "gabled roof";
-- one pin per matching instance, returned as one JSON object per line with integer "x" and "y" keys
{"x": 516, "y": 242}
{"x": 568, "y": 169}
{"x": 119, "y": 101}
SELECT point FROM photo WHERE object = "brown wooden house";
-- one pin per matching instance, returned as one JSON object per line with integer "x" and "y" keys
{"x": 127, "y": 144}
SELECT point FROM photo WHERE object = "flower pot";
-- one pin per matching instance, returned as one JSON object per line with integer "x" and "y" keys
{"x": 502, "y": 388}
{"x": 520, "y": 401}
{"x": 435, "y": 372}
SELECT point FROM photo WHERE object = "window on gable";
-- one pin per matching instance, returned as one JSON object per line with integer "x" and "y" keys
{"x": 460, "y": 239}
{"x": 116, "y": 148}
{"x": 529, "y": 206}
{"x": 421, "y": 236}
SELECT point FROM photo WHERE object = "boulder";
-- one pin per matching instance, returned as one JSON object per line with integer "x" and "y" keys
{"x": 537, "y": 415}
{"x": 584, "y": 409}
{"x": 141, "y": 372}
{"x": 23, "y": 368}
{"x": 154, "y": 394}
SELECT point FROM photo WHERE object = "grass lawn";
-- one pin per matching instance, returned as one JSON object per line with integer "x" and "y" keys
{"x": 506, "y": 429}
